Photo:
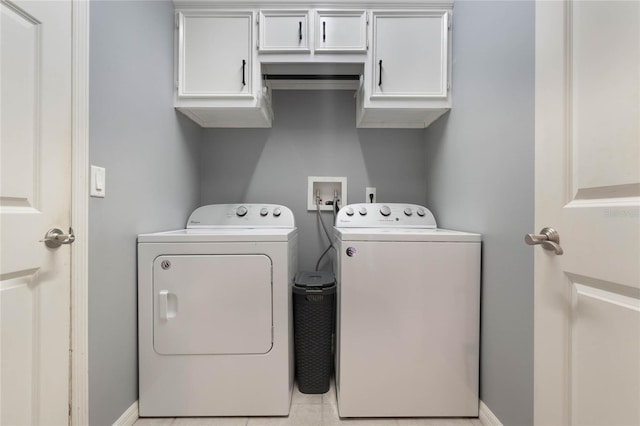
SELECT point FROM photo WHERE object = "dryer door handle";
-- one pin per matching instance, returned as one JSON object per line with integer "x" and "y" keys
{"x": 168, "y": 304}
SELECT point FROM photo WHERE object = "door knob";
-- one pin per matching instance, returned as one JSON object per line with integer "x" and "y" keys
{"x": 55, "y": 237}
{"x": 548, "y": 238}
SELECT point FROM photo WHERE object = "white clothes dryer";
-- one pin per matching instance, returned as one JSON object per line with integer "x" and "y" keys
{"x": 407, "y": 314}
{"x": 215, "y": 314}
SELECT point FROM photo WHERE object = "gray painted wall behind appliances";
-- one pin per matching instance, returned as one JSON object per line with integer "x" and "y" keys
{"x": 479, "y": 166}
{"x": 313, "y": 134}
{"x": 150, "y": 153}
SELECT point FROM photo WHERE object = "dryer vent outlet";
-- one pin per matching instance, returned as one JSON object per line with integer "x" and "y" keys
{"x": 324, "y": 190}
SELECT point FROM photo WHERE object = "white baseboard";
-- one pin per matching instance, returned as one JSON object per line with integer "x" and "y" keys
{"x": 487, "y": 417}
{"x": 129, "y": 417}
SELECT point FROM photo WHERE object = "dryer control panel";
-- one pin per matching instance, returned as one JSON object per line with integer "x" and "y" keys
{"x": 389, "y": 215}
{"x": 242, "y": 216}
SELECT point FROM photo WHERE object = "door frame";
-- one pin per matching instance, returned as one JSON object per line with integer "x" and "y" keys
{"x": 79, "y": 355}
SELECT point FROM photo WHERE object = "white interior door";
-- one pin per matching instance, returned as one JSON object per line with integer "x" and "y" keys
{"x": 35, "y": 149}
{"x": 587, "y": 301}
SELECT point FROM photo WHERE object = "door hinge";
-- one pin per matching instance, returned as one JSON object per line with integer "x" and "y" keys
{"x": 177, "y": 21}
{"x": 258, "y": 32}
{"x": 367, "y": 20}
{"x": 450, "y": 21}
{"x": 177, "y": 84}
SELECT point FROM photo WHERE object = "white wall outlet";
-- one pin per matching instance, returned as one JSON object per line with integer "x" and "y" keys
{"x": 324, "y": 189}
{"x": 98, "y": 181}
{"x": 370, "y": 194}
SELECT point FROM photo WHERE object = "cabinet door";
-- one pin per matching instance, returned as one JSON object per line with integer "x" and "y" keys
{"x": 410, "y": 54}
{"x": 284, "y": 31}
{"x": 215, "y": 56}
{"x": 340, "y": 31}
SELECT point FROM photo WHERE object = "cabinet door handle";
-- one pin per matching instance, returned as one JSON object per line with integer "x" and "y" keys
{"x": 244, "y": 64}
{"x": 300, "y": 30}
{"x": 324, "y": 31}
{"x": 380, "y": 73}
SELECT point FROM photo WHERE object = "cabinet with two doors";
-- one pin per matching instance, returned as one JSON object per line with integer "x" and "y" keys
{"x": 312, "y": 31}
{"x": 402, "y": 56}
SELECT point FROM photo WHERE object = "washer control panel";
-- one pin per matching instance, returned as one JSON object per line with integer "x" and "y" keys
{"x": 242, "y": 216}
{"x": 385, "y": 215}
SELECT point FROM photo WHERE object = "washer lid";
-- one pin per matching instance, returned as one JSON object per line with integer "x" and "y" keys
{"x": 209, "y": 235}
{"x": 241, "y": 216}
{"x": 387, "y": 215}
{"x": 405, "y": 234}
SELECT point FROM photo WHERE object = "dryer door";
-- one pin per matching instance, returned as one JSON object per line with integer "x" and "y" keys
{"x": 212, "y": 304}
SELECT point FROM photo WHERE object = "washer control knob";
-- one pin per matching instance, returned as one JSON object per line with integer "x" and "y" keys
{"x": 241, "y": 211}
{"x": 264, "y": 211}
{"x": 349, "y": 211}
{"x": 277, "y": 212}
{"x": 408, "y": 211}
{"x": 385, "y": 211}
{"x": 362, "y": 211}
{"x": 420, "y": 211}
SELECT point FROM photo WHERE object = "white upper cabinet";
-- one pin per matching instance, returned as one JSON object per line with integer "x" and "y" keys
{"x": 289, "y": 31}
{"x": 215, "y": 54}
{"x": 396, "y": 55}
{"x": 340, "y": 31}
{"x": 217, "y": 71}
{"x": 284, "y": 31}
{"x": 410, "y": 54}
{"x": 406, "y": 78}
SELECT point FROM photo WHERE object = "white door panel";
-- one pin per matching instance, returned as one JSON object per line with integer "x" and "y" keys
{"x": 35, "y": 186}
{"x": 605, "y": 341}
{"x": 21, "y": 42}
{"x": 587, "y": 301}
{"x": 605, "y": 107}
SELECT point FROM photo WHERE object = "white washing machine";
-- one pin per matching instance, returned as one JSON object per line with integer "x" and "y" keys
{"x": 215, "y": 314}
{"x": 408, "y": 314}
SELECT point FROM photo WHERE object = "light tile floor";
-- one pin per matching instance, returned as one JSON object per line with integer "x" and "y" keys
{"x": 306, "y": 410}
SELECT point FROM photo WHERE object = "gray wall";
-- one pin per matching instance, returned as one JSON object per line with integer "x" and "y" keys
{"x": 313, "y": 134}
{"x": 151, "y": 157}
{"x": 480, "y": 178}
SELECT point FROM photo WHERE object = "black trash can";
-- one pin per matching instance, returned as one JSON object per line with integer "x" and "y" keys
{"x": 314, "y": 296}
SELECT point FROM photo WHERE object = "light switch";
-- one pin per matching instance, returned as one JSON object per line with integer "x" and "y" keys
{"x": 98, "y": 181}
